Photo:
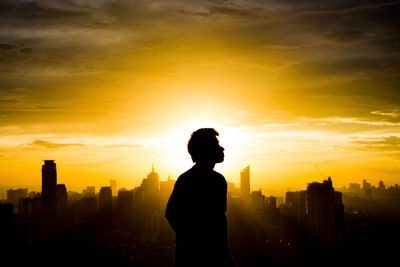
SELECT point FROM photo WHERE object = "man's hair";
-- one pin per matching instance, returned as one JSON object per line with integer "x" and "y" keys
{"x": 200, "y": 141}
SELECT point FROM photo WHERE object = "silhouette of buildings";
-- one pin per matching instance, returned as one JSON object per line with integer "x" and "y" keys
{"x": 61, "y": 197}
{"x": 105, "y": 200}
{"x": 166, "y": 188}
{"x": 113, "y": 185}
{"x": 49, "y": 189}
{"x": 354, "y": 187}
{"x": 245, "y": 183}
{"x": 90, "y": 191}
{"x": 324, "y": 211}
{"x": 13, "y": 197}
{"x": 261, "y": 233}
{"x": 125, "y": 206}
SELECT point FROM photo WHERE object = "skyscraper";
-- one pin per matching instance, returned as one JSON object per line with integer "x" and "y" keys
{"x": 49, "y": 187}
{"x": 245, "y": 183}
{"x": 324, "y": 210}
{"x": 13, "y": 196}
{"x": 151, "y": 190}
{"x": 61, "y": 197}
{"x": 105, "y": 200}
{"x": 166, "y": 188}
{"x": 125, "y": 206}
{"x": 113, "y": 185}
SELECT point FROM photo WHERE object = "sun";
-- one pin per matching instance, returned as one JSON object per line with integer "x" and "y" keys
{"x": 174, "y": 144}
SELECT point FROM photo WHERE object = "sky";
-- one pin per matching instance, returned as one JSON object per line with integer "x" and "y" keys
{"x": 298, "y": 90}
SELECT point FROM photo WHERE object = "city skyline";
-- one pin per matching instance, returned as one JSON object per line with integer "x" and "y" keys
{"x": 244, "y": 185}
{"x": 128, "y": 227}
{"x": 108, "y": 88}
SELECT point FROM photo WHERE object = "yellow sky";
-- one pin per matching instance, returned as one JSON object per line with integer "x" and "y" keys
{"x": 106, "y": 89}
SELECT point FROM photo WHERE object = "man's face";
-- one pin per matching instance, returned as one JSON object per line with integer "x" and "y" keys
{"x": 218, "y": 152}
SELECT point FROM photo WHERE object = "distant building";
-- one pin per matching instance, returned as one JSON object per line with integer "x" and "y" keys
{"x": 245, "y": 183}
{"x": 257, "y": 199}
{"x": 125, "y": 206}
{"x": 166, "y": 188}
{"x": 324, "y": 210}
{"x": 30, "y": 207}
{"x": 13, "y": 196}
{"x": 151, "y": 191}
{"x": 113, "y": 185}
{"x": 6, "y": 226}
{"x": 381, "y": 186}
{"x": 150, "y": 184}
{"x": 49, "y": 188}
{"x": 6, "y": 215}
{"x": 90, "y": 191}
{"x": 61, "y": 197}
{"x": 105, "y": 200}
{"x": 272, "y": 202}
{"x": 366, "y": 185}
{"x": 354, "y": 187}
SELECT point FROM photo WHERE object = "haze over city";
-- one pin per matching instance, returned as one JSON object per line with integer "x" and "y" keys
{"x": 298, "y": 90}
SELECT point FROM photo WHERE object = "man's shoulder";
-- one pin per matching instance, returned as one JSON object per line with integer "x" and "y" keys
{"x": 218, "y": 174}
{"x": 184, "y": 177}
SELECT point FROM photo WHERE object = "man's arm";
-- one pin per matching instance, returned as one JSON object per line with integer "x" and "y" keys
{"x": 172, "y": 210}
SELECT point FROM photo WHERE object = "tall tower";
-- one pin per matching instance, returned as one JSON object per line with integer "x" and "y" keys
{"x": 61, "y": 197}
{"x": 113, "y": 185}
{"x": 323, "y": 206}
{"x": 245, "y": 183}
{"x": 105, "y": 200}
{"x": 49, "y": 187}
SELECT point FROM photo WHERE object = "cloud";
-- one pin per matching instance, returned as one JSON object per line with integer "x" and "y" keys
{"x": 390, "y": 143}
{"x": 124, "y": 146}
{"x": 346, "y": 36}
{"x": 354, "y": 121}
{"x": 393, "y": 114}
{"x": 349, "y": 10}
{"x": 48, "y": 144}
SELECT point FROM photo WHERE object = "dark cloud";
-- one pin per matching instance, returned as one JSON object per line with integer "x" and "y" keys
{"x": 346, "y": 36}
{"x": 48, "y": 144}
{"x": 53, "y": 44}
{"x": 350, "y": 9}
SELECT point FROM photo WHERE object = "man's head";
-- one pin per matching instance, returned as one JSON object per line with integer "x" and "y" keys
{"x": 203, "y": 146}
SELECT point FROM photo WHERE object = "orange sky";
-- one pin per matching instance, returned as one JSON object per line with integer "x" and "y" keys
{"x": 108, "y": 88}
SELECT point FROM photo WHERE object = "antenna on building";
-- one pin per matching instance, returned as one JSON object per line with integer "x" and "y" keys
{"x": 319, "y": 172}
{"x": 152, "y": 167}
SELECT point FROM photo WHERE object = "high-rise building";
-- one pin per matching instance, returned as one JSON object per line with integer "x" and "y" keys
{"x": 324, "y": 209}
{"x": 105, "y": 200}
{"x": 49, "y": 187}
{"x": 272, "y": 202}
{"x": 354, "y": 187}
{"x": 61, "y": 197}
{"x": 150, "y": 184}
{"x": 245, "y": 183}
{"x": 151, "y": 190}
{"x": 13, "y": 196}
{"x": 166, "y": 188}
{"x": 113, "y": 185}
{"x": 257, "y": 199}
{"x": 125, "y": 205}
{"x": 381, "y": 186}
{"x": 90, "y": 191}
{"x": 366, "y": 185}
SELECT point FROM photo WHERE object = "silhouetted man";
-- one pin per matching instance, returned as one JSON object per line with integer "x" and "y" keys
{"x": 197, "y": 205}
